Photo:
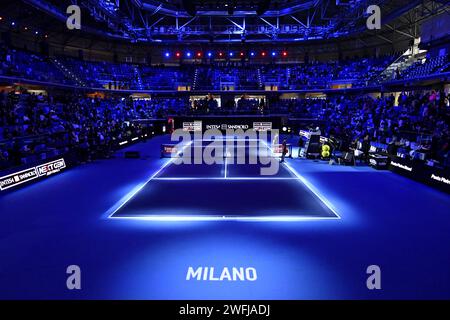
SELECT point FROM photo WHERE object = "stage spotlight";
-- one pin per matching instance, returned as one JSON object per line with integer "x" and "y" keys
{"x": 199, "y": 54}
{"x": 252, "y": 54}
{"x": 263, "y": 53}
{"x": 209, "y": 54}
{"x": 220, "y": 54}
{"x": 178, "y": 54}
{"x": 231, "y": 54}
{"x": 284, "y": 54}
{"x": 188, "y": 54}
{"x": 1, "y": 18}
{"x": 13, "y": 23}
{"x": 274, "y": 53}
{"x": 241, "y": 54}
{"x": 167, "y": 54}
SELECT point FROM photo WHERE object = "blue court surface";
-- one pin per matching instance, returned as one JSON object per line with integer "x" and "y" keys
{"x": 200, "y": 191}
{"x": 385, "y": 219}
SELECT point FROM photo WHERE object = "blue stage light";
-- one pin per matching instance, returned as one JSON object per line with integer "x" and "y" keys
{"x": 188, "y": 54}
{"x": 274, "y": 53}
{"x": 231, "y": 54}
{"x": 13, "y": 23}
{"x": 209, "y": 54}
{"x": 167, "y": 54}
{"x": 252, "y": 54}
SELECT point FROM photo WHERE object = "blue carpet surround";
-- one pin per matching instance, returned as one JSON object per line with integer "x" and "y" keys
{"x": 385, "y": 219}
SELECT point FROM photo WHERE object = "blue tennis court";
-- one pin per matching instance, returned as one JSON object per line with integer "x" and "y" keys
{"x": 233, "y": 188}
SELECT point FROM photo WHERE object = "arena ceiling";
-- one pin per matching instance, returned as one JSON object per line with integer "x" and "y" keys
{"x": 227, "y": 21}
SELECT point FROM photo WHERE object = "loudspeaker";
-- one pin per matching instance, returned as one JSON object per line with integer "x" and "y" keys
{"x": 132, "y": 155}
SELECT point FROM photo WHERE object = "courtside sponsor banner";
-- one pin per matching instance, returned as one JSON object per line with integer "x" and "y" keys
{"x": 440, "y": 179}
{"x": 17, "y": 178}
{"x": 49, "y": 168}
{"x": 401, "y": 166}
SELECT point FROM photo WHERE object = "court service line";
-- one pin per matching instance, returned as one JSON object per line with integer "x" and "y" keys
{"x": 227, "y": 218}
{"x": 187, "y": 218}
{"x": 223, "y": 178}
{"x": 313, "y": 189}
{"x": 139, "y": 188}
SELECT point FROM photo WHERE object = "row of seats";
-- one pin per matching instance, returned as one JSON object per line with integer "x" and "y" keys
{"x": 425, "y": 68}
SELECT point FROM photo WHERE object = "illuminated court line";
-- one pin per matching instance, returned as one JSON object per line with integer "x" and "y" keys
{"x": 140, "y": 187}
{"x": 180, "y": 218}
{"x": 225, "y": 178}
{"x": 227, "y": 139}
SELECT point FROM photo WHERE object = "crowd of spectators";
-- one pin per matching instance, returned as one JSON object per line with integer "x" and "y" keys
{"x": 36, "y": 127}
{"x": 33, "y": 127}
{"x": 417, "y": 124}
{"x": 425, "y": 67}
{"x": 228, "y": 76}
{"x": 28, "y": 65}
{"x": 320, "y": 75}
